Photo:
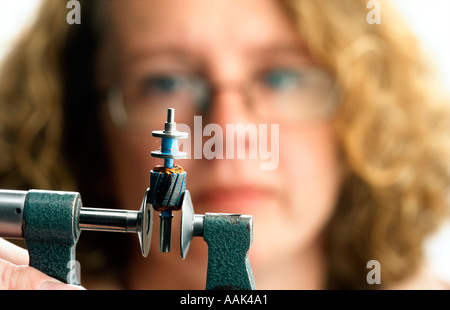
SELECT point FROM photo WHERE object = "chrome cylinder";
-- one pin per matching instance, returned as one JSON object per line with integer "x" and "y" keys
{"x": 12, "y": 204}
{"x": 97, "y": 219}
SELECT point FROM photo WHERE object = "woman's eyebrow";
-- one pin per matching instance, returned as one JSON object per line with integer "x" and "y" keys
{"x": 141, "y": 55}
{"x": 294, "y": 52}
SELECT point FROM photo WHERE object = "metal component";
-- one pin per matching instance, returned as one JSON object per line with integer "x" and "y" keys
{"x": 165, "y": 231}
{"x": 167, "y": 190}
{"x": 109, "y": 220}
{"x": 167, "y": 187}
{"x": 174, "y": 134}
{"x": 146, "y": 225}
{"x": 179, "y": 155}
{"x": 191, "y": 225}
{"x": 140, "y": 222}
{"x": 170, "y": 116}
{"x": 11, "y": 213}
{"x": 169, "y": 144}
{"x": 170, "y": 125}
{"x": 228, "y": 237}
{"x": 51, "y": 232}
{"x": 170, "y": 128}
{"x": 198, "y": 224}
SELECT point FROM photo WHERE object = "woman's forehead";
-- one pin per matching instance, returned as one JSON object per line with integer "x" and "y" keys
{"x": 196, "y": 27}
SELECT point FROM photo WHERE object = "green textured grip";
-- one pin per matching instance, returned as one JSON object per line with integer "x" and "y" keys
{"x": 51, "y": 232}
{"x": 228, "y": 237}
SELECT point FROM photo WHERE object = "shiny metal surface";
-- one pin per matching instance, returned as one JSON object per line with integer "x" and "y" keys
{"x": 108, "y": 220}
{"x": 145, "y": 223}
{"x": 12, "y": 204}
{"x": 191, "y": 225}
{"x": 140, "y": 222}
{"x": 165, "y": 231}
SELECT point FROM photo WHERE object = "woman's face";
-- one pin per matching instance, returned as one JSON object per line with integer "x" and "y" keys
{"x": 228, "y": 43}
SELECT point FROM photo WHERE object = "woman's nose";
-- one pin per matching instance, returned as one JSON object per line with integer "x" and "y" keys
{"x": 230, "y": 105}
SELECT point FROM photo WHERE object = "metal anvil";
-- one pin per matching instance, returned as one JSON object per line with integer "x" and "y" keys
{"x": 51, "y": 223}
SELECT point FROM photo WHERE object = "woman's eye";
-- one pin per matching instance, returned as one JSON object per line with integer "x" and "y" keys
{"x": 163, "y": 85}
{"x": 282, "y": 79}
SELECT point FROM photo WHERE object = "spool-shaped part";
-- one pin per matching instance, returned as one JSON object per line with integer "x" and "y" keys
{"x": 169, "y": 144}
{"x": 167, "y": 187}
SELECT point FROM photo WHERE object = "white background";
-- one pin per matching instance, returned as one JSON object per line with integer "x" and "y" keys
{"x": 428, "y": 18}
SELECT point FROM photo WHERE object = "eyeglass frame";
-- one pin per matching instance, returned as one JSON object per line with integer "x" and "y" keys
{"x": 119, "y": 116}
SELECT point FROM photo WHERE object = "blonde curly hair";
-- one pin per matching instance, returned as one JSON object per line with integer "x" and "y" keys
{"x": 393, "y": 128}
{"x": 392, "y": 124}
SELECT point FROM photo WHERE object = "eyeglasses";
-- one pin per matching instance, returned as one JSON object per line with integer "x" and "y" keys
{"x": 280, "y": 94}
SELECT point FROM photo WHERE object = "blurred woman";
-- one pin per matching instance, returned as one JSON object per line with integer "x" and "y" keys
{"x": 363, "y": 133}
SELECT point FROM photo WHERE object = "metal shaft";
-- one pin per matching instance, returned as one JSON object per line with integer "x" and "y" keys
{"x": 169, "y": 145}
{"x": 170, "y": 115}
{"x": 165, "y": 231}
{"x": 11, "y": 213}
{"x": 109, "y": 220}
{"x": 122, "y": 221}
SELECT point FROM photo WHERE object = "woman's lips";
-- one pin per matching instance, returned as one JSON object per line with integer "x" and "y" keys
{"x": 232, "y": 199}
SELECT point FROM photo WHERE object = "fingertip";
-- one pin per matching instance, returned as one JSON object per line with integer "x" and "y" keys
{"x": 55, "y": 285}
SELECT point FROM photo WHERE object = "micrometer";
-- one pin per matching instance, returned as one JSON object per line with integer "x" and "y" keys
{"x": 51, "y": 222}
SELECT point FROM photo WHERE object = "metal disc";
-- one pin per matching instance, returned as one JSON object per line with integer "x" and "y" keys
{"x": 170, "y": 135}
{"x": 176, "y": 155}
{"x": 187, "y": 224}
{"x": 145, "y": 234}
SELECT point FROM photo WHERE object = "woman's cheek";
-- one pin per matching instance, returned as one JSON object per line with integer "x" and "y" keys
{"x": 309, "y": 161}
